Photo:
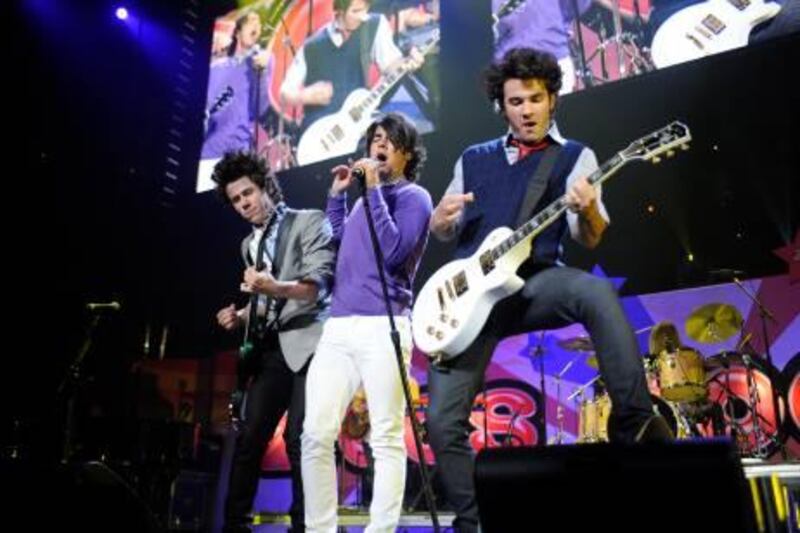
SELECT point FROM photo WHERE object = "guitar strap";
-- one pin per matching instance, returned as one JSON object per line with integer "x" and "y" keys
{"x": 538, "y": 183}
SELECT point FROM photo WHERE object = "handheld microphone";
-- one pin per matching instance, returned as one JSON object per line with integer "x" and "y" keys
{"x": 360, "y": 176}
{"x": 103, "y": 306}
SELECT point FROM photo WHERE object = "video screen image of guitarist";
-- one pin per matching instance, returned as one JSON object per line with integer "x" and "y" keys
{"x": 299, "y": 82}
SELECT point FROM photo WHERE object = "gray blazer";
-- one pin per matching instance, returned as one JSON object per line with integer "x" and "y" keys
{"x": 305, "y": 252}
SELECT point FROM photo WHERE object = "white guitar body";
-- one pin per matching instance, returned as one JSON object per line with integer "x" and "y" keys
{"x": 338, "y": 134}
{"x": 444, "y": 323}
{"x": 708, "y": 28}
{"x": 455, "y": 302}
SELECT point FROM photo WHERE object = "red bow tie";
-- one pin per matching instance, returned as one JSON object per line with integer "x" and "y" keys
{"x": 525, "y": 149}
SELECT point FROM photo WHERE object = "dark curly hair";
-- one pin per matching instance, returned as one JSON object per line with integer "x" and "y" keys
{"x": 522, "y": 64}
{"x": 236, "y": 165}
{"x": 405, "y": 138}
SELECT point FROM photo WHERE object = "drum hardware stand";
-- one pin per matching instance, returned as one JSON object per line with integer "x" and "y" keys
{"x": 752, "y": 392}
{"x": 736, "y": 429}
{"x": 579, "y": 390}
{"x": 626, "y": 45}
{"x": 765, "y": 314}
{"x": 577, "y": 395}
{"x": 583, "y": 74}
{"x": 539, "y": 352}
{"x": 485, "y": 415}
{"x": 509, "y": 431}
{"x": 682, "y": 420}
{"x": 559, "y": 436}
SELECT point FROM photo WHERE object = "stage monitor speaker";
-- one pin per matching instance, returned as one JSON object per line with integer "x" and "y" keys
{"x": 683, "y": 486}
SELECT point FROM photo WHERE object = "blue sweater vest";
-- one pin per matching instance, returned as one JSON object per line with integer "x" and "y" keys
{"x": 500, "y": 189}
{"x": 345, "y": 67}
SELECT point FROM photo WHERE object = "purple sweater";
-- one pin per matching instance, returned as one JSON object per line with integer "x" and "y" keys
{"x": 401, "y": 213}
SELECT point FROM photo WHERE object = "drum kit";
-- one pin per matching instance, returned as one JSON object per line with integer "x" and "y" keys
{"x": 615, "y": 44}
{"x": 727, "y": 394}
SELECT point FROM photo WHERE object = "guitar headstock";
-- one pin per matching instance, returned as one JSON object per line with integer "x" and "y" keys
{"x": 664, "y": 141}
{"x": 431, "y": 41}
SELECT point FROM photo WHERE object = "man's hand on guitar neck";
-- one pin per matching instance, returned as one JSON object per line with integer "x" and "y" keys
{"x": 412, "y": 61}
{"x": 264, "y": 283}
{"x": 581, "y": 199}
{"x": 260, "y": 282}
{"x": 581, "y": 196}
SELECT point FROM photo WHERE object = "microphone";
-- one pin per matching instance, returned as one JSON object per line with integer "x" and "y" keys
{"x": 360, "y": 176}
{"x": 104, "y": 306}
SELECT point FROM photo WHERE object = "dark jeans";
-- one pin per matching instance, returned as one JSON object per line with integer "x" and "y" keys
{"x": 274, "y": 390}
{"x": 551, "y": 298}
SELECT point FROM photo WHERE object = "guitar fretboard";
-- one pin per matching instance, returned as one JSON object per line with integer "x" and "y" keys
{"x": 550, "y": 214}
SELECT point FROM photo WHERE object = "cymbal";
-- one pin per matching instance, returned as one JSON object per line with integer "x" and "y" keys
{"x": 577, "y": 344}
{"x": 712, "y": 323}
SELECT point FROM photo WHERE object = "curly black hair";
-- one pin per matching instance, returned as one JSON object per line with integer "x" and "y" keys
{"x": 522, "y": 64}
{"x": 236, "y": 165}
{"x": 405, "y": 138}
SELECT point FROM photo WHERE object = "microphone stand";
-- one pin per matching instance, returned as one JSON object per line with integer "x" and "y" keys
{"x": 69, "y": 387}
{"x": 539, "y": 352}
{"x": 764, "y": 314}
{"x": 395, "y": 337}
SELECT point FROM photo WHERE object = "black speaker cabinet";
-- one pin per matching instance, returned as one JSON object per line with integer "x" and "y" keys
{"x": 681, "y": 487}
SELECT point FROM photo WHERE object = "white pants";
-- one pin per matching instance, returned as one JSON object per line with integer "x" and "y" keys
{"x": 352, "y": 351}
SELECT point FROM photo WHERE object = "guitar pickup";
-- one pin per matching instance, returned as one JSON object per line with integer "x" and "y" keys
{"x": 714, "y": 24}
{"x": 460, "y": 284}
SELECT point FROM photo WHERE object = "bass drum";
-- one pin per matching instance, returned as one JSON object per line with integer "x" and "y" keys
{"x": 598, "y": 414}
{"x": 751, "y": 418}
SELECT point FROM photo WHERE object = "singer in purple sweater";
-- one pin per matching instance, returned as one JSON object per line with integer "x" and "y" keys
{"x": 355, "y": 349}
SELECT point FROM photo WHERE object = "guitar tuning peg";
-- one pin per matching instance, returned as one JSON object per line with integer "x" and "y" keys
{"x": 656, "y": 160}
{"x": 685, "y": 146}
{"x": 670, "y": 153}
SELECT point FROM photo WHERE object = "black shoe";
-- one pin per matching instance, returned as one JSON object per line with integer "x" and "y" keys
{"x": 655, "y": 429}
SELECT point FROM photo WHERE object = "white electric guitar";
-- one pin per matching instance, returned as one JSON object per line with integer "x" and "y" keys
{"x": 708, "y": 28}
{"x": 455, "y": 302}
{"x": 338, "y": 134}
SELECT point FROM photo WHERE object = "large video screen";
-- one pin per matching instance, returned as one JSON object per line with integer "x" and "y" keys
{"x": 299, "y": 82}
{"x": 599, "y": 41}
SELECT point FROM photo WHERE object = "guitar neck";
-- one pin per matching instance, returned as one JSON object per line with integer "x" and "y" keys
{"x": 387, "y": 81}
{"x": 552, "y": 212}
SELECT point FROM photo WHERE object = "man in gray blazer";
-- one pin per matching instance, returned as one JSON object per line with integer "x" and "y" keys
{"x": 289, "y": 262}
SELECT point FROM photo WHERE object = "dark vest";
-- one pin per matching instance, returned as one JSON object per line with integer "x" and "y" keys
{"x": 499, "y": 190}
{"x": 345, "y": 67}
